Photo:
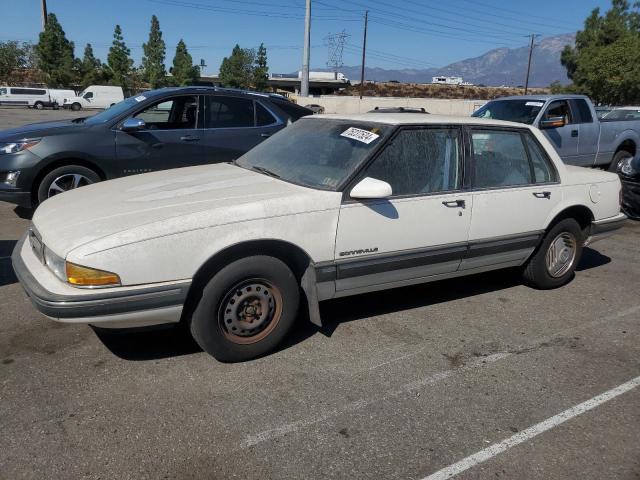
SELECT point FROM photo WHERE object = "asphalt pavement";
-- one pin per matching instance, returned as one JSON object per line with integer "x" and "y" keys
{"x": 478, "y": 376}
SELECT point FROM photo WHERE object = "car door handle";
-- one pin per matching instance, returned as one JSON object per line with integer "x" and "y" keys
{"x": 189, "y": 138}
{"x": 542, "y": 195}
{"x": 265, "y": 135}
{"x": 455, "y": 204}
{"x": 574, "y": 133}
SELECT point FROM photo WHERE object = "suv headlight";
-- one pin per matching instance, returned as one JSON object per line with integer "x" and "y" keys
{"x": 15, "y": 147}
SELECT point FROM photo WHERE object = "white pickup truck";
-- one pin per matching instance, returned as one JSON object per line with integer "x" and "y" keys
{"x": 571, "y": 125}
{"x": 328, "y": 207}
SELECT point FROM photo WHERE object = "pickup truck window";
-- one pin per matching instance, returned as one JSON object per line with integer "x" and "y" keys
{"x": 582, "y": 110}
{"x": 420, "y": 161}
{"x": 521, "y": 111}
{"x": 559, "y": 108}
{"x": 499, "y": 160}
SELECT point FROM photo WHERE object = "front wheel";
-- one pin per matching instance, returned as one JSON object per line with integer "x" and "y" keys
{"x": 554, "y": 262}
{"x": 246, "y": 309}
{"x": 75, "y": 107}
{"x": 65, "y": 178}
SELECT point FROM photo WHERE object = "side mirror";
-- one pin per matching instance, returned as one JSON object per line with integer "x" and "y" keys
{"x": 371, "y": 188}
{"x": 552, "y": 122}
{"x": 133, "y": 125}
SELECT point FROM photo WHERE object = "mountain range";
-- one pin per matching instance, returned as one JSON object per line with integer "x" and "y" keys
{"x": 500, "y": 66}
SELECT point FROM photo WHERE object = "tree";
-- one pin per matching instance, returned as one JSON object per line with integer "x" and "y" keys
{"x": 119, "y": 60}
{"x": 154, "y": 53}
{"x": 13, "y": 57}
{"x": 183, "y": 70}
{"x": 236, "y": 71}
{"x": 90, "y": 68}
{"x": 605, "y": 61}
{"x": 55, "y": 54}
{"x": 261, "y": 70}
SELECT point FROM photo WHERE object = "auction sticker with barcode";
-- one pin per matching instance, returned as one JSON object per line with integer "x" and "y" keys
{"x": 363, "y": 136}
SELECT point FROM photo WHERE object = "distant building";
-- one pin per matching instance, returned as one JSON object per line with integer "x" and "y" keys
{"x": 449, "y": 81}
{"x": 320, "y": 83}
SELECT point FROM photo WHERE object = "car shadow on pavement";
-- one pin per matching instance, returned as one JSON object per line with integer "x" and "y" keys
{"x": 157, "y": 343}
{"x": 7, "y": 275}
{"x": 23, "y": 212}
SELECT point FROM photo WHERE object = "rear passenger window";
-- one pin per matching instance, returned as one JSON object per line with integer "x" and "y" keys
{"x": 420, "y": 161}
{"x": 583, "y": 111}
{"x": 499, "y": 160}
{"x": 542, "y": 170}
{"x": 230, "y": 112}
{"x": 263, "y": 117}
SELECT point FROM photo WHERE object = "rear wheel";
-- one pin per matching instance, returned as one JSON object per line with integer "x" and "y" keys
{"x": 554, "y": 262}
{"x": 246, "y": 309}
{"x": 618, "y": 160}
{"x": 38, "y": 105}
{"x": 65, "y": 178}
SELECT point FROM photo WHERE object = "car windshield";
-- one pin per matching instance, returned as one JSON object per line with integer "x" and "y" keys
{"x": 521, "y": 111}
{"x": 112, "y": 112}
{"x": 316, "y": 153}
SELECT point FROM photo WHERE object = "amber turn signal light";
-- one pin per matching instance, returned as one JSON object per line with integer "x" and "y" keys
{"x": 90, "y": 277}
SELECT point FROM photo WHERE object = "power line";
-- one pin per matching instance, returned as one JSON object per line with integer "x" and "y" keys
{"x": 335, "y": 43}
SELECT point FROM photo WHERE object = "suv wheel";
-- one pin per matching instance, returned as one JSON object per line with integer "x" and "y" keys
{"x": 554, "y": 262}
{"x": 65, "y": 178}
{"x": 246, "y": 309}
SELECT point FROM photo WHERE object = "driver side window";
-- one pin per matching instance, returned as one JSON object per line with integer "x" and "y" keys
{"x": 559, "y": 109}
{"x": 175, "y": 113}
{"x": 88, "y": 95}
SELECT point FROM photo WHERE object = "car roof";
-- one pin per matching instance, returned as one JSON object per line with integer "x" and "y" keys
{"x": 417, "y": 118}
{"x": 542, "y": 97}
{"x": 219, "y": 90}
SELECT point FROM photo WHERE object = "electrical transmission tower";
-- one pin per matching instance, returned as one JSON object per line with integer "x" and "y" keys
{"x": 335, "y": 43}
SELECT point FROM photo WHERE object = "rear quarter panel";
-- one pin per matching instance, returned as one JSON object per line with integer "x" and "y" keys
{"x": 613, "y": 134}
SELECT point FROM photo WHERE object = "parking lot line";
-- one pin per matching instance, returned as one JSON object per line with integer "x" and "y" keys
{"x": 531, "y": 432}
{"x": 292, "y": 427}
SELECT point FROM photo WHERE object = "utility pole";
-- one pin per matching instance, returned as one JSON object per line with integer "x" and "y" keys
{"x": 304, "y": 81}
{"x": 44, "y": 14}
{"x": 526, "y": 82}
{"x": 364, "y": 51}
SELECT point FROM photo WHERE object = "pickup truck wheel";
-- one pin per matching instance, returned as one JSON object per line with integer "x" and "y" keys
{"x": 554, "y": 262}
{"x": 65, "y": 178}
{"x": 75, "y": 107}
{"x": 246, "y": 309}
{"x": 618, "y": 159}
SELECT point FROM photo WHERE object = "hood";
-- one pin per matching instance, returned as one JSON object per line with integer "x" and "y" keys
{"x": 39, "y": 129}
{"x": 130, "y": 209}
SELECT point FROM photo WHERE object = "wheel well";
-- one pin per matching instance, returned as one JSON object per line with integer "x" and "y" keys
{"x": 291, "y": 255}
{"x": 61, "y": 163}
{"x": 627, "y": 146}
{"x": 580, "y": 213}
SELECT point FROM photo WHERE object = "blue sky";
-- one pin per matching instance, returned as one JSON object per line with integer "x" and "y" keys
{"x": 402, "y": 34}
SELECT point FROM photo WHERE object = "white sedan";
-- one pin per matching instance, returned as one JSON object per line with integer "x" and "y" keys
{"x": 328, "y": 207}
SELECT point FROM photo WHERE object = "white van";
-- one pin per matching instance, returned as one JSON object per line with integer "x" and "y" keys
{"x": 26, "y": 96}
{"x": 95, "y": 96}
{"x": 58, "y": 95}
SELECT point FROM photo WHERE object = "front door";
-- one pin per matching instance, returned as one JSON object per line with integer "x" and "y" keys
{"x": 564, "y": 139}
{"x": 234, "y": 125}
{"x": 515, "y": 189}
{"x": 172, "y": 137}
{"x": 422, "y": 229}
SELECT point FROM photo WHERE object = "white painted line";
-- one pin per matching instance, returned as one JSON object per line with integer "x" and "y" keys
{"x": 533, "y": 431}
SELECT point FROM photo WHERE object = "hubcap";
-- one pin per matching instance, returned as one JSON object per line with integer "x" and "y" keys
{"x": 65, "y": 182}
{"x": 561, "y": 254}
{"x": 250, "y": 311}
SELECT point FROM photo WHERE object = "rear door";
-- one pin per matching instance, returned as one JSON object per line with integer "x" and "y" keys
{"x": 234, "y": 125}
{"x": 515, "y": 188}
{"x": 564, "y": 139}
{"x": 172, "y": 137}
{"x": 588, "y": 132}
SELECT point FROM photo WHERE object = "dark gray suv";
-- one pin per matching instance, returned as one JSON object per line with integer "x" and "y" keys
{"x": 157, "y": 130}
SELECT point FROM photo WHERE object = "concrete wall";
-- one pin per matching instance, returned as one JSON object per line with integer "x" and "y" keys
{"x": 344, "y": 104}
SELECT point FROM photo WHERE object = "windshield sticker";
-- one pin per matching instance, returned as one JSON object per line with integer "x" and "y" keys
{"x": 534, "y": 104}
{"x": 360, "y": 135}
{"x": 140, "y": 98}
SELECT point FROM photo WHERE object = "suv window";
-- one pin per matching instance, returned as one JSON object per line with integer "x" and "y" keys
{"x": 291, "y": 109}
{"x": 175, "y": 113}
{"x": 543, "y": 172}
{"x": 559, "y": 108}
{"x": 499, "y": 160}
{"x": 420, "y": 161}
{"x": 263, "y": 116}
{"x": 230, "y": 112}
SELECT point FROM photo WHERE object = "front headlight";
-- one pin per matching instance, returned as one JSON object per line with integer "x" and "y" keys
{"x": 90, "y": 277}
{"x": 55, "y": 264}
{"x": 15, "y": 147}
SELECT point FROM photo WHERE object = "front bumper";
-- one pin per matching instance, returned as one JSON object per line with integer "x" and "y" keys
{"x": 605, "y": 228}
{"x": 118, "y": 307}
{"x": 15, "y": 195}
